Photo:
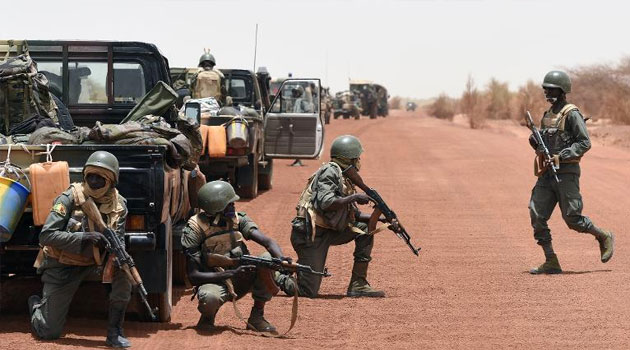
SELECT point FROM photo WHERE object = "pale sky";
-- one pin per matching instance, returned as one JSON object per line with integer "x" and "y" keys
{"x": 415, "y": 48}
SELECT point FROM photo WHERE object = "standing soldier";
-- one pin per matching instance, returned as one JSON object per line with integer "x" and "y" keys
{"x": 327, "y": 215}
{"x": 208, "y": 82}
{"x": 563, "y": 130}
{"x": 71, "y": 251}
{"x": 219, "y": 229}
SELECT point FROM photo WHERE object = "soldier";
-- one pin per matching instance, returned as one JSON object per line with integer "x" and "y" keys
{"x": 71, "y": 251}
{"x": 563, "y": 129}
{"x": 208, "y": 82}
{"x": 219, "y": 229}
{"x": 327, "y": 215}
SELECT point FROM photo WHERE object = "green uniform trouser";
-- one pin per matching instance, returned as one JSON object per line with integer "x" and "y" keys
{"x": 213, "y": 295}
{"x": 314, "y": 253}
{"x": 546, "y": 194}
{"x": 60, "y": 284}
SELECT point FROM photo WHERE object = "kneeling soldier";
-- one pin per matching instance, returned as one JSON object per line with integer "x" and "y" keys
{"x": 219, "y": 229}
{"x": 71, "y": 251}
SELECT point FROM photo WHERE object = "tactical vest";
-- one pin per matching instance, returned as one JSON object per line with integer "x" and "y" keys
{"x": 223, "y": 240}
{"x": 553, "y": 129}
{"x": 207, "y": 84}
{"x": 306, "y": 208}
{"x": 79, "y": 223}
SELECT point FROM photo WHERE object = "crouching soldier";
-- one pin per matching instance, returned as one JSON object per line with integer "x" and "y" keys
{"x": 219, "y": 229}
{"x": 72, "y": 250}
{"x": 327, "y": 215}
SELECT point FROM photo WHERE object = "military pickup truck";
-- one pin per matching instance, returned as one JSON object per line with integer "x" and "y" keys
{"x": 275, "y": 130}
{"x": 103, "y": 81}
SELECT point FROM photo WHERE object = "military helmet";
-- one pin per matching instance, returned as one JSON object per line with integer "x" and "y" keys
{"x": 214, "y": 196}
{"x": 557, "y": 79}
{"x": 104, "y": 160}
{"x": 207, "y": 57}
{"x": 346, "y": 146}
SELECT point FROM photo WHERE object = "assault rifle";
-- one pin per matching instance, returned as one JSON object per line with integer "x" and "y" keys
{"x": 122, "y": 259}
{"x": 548, "y": 158}
{"x": 381, "y": 208}
{"x": 280, "y": 265}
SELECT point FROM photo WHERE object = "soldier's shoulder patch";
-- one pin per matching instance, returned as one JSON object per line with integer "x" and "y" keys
{"x": 60, "y": 209}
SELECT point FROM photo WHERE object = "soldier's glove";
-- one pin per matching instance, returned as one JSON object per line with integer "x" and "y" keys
{"x": 95, "y": 238}
{"x": 533, "y": 142}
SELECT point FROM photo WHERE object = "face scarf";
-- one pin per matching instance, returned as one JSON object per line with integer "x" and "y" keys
{"x": 107, "y": 196}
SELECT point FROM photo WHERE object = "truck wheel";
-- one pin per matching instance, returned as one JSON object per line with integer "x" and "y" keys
{"x": 164, "y": 301}
{"x": 336, "y": 115}
{"x": 247, "y": 178}
{"x": 179, "y": 268}
{"x": 265, "y": 176}
{"x": 346, "y": 116}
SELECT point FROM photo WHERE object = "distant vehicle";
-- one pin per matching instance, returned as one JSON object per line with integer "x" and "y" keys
{"x": 346, "y": 104}
{"x": 411, "y": 106}
{"x": 366, "y": 92}
{"x": 277, "y": 130}
{"x": 382, "y": 108}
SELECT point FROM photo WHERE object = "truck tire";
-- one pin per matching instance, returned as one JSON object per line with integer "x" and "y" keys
{"x": 247, "y": 178}
{"x": 164, "y": 300}
{"x": 265, "y": 181}
{"x": 179, "y": 268}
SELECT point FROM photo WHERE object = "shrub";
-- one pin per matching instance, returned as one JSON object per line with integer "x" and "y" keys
{"x": 443, "y": 107}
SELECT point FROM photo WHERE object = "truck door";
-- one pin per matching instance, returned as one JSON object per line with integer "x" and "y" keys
{"x": 293, "y": 126}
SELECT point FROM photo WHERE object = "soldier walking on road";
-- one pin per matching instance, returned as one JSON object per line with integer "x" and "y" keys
{"x": 71, "y": 251}
{"x": 219, "y": 229}
{"x": 563, "y": 130}
{"x": 327, "y": 215}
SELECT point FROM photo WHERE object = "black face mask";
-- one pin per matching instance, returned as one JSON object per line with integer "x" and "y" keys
{"x": 95, "y": 182}
{"x": 230, "y": 211}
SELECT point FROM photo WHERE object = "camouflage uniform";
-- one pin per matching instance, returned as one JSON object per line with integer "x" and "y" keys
{"x": 328, "y": 186}
{"x": 63, "y": 230}
{"x": 212, "y": 296}
{"x": 570, "y": 141}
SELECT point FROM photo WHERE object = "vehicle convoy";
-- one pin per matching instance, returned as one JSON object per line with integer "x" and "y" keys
{"x": 255, "y": 131}
{"x": 103, "y": 81}
{"x": 367, "y": 95}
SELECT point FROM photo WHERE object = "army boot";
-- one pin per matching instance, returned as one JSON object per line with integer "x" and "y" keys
{"x": 606, "y": 241}
{"x": 115, "y": 319}
{"x": 206, "y": 323}
{"x": 359, "y": 286}
{"x": 551, "y": 264}
{"x": 257, "y": 322}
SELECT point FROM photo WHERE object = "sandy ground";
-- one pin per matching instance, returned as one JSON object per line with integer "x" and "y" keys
{"x": 463, "y": 196}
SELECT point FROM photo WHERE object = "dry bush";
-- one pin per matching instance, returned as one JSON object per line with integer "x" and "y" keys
{"x": 530, "y": 97}
{"x": 443, "y": 107}
{"x": 395, "y": 102}
{"x": 498, "y": 98}
{"x": 471, "y": 104}
{"x": 602, "y": 91}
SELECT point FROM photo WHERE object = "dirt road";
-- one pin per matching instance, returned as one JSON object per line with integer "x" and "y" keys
{"x": 463, "y": 196}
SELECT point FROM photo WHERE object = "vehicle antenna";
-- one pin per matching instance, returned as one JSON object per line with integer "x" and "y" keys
{"x": 255, "y": 46}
